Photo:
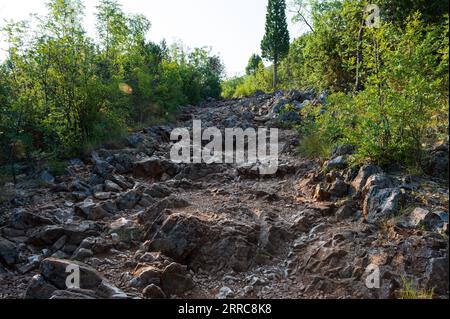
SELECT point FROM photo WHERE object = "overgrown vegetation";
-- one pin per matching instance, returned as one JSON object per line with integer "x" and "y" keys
{"x": 61, "y": 91}
{"x": 410, "y": 292}
{"x": 388, "y": 85}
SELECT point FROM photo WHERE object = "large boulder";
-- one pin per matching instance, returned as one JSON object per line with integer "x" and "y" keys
{"x": 154, "y": 168}
{"x": 55, "y": 271}
{"x": 8, "y": 252}
{"x": 23, "y": 219}
{"x": 364, "y": 173}
{"x": 90, "y": 210}
{"x": 176, "y": 280}
{"x": 428, "y": 220}
{"x": 201, "y": 243}
{"x": 39, "y": 288}
{"x": 46, "y": 235}
{"x": 381, "y": 203}
{"x": 437, "y": 275}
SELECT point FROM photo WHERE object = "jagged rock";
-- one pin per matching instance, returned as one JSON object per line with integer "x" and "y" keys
{"x": 437, "y": 163}
{"x": 54, "y": 272}
{"x": 437, "y": 274}
{"x": 8, "y": 252}
{"x": 23, "y": 219}
{"x": 147, "y": 276}
{"x": 339, "y": 162}
{"x": 379, "y": 181}
{"x": 338, "y": 188}
{"x": 101, "y": 167}
{"x": 303, "y": 221}
{"x": 364, "y": 173}
{"x": 121, "y": 181}
{"x": 321, "y": 194}
{"x": 73, "y": 294}
{"x": 171, "y": 202}
{"x": 153, "y": 167}
{"x": 46, "y": 235}
{"x": 187, "y": 238}
{"x": 345, "y": 212}
{"x": 129, "y": 200}
{"x": 90, "y": 210}
{"x": 39, "y": 288}
{"x": 225, "y": 293}
{"x": 76, "y": 233}
{"x": 97, "y": 245}
{"x": 47, "y": 178}
{"x": 430, "y": 220}
{"x": 381, "y": 203}
{"x": 158, "y": 191}
{"x": 82, "y": 253}
{"x": 110, "y": 186}
{"x": 102, "y": 195}
{"x": 153, "y": 292}
{"x": 176, "y": 280}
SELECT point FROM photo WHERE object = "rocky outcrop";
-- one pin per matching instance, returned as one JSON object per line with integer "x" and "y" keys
{"x": 54, "y": 279}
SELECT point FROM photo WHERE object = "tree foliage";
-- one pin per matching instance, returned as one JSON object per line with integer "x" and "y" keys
{"x": 275, "y": 44}
{"x": 61, "y": 91}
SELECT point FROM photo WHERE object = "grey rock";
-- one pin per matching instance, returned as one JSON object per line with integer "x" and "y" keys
{"x": 147, "y": 276}
{"x": 339, "y": 162}
{"x": 381, "y": 203}
{"x": 437, "y": 274}
{"x": 46, "y": 235}
{"x": 47, "y": 178}
{"x": 345, "y": 212}
{"x": 153, "y": 167}
{"x": 153, "y": 292}
{"x": 176, "y": 280}
{"x": 23, "y": 219}
{"x": 225, "y": 293}
{"x": 379, "y": 181}
{"x": 90, "y": 210}
{"x": 110, "y": 186}
{"x": 129, "y": 200}
{"x": 54, "y": 272}
{"x": 39, "y": 288}
{"x": 8, "y": 252}
{"x": 364, "y": 173}
{"x": 82, "y": 254}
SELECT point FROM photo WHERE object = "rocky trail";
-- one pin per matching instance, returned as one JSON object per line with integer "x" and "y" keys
{"x": 141, "y": 226}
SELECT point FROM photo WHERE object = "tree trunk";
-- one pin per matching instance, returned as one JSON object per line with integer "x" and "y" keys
{"x": 359, "y": 59}
{"x": 275, "y": 74}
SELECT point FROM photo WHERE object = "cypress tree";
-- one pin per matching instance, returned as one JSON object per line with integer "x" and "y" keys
{"x": 275, "y": 44}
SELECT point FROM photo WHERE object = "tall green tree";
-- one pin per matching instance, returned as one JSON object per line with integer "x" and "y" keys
{"x": 254, "y": 63}
{"x": 275, "y": 44}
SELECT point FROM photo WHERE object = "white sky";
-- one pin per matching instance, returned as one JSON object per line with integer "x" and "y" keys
{"x": 233, "y": 28}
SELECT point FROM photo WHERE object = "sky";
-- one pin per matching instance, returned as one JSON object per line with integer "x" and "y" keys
{"x": 233, "y": 28}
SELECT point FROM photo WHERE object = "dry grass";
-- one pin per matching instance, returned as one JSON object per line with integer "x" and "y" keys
{"x": 411, "y": 292}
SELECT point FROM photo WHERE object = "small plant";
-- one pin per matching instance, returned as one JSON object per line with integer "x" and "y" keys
{"x": 411, "y": 292}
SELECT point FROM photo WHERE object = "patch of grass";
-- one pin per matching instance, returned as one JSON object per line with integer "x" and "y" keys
{"x": 410, "y": 292}
{"x": 313, "y": 146}
{"x": 57, "y": 167}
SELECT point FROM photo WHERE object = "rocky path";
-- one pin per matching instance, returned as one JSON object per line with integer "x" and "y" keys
{"x": 141, "y": 226}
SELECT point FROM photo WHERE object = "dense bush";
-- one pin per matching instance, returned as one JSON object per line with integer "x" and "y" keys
{"x": 388, "y": 86}
{"x": 61, "y": 91}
